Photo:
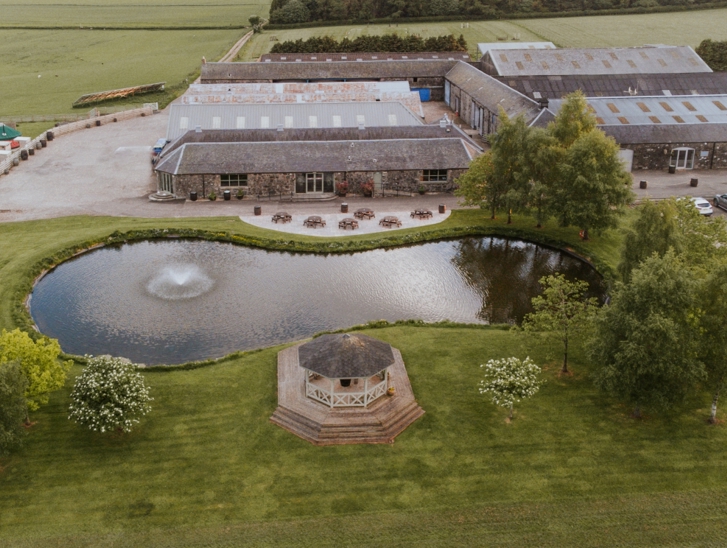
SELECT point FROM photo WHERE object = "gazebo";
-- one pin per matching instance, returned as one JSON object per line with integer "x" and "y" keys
{"x": 348, "y": 370}
{"x": 333, "y": 390}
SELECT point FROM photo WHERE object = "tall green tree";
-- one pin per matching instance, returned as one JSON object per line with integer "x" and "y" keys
{"x": 594, "y": 186}
{"x": 563, "y": 309}
{"x": 713, "y": 347}
{"x": 574, "y": 119}
{"x": 543, "y": 157}
{"x": 655, "y": 230}
{"x": 646, "y": 342}
{"x": 499, "y": 179}
{"x": 39, "y": 363}
{"x": 13, "y": 408}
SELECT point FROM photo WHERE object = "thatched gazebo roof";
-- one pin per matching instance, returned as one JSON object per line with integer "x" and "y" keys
{"x": 345, "y": 356}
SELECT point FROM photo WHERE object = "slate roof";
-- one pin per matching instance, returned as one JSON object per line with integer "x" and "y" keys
{"x": 320, "y": 134}
{"x": 344, "y": 356}
{"x": 689, "y": 109}
{"x": 491, "y": 93}
{"x": 639, "y": 60}
{"x": 335, "y": 70}
{"x": 656, "y": 134}
{"x": 309, "y": 156}
{"x": 363, "y": 56}
{"x": 612, "y": 85}
{"x": 290, "y": 115}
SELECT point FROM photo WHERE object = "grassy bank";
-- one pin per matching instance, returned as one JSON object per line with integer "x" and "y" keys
{"x": 683, "y": 28}
{"x": 206, "y": 468}
{"x": 29, "y": 247}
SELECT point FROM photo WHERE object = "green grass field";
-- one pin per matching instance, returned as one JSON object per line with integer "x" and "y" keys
{"x": 43, "y": 72}
{"x": 206, "y": 468}
{"x": 683, "y": 28}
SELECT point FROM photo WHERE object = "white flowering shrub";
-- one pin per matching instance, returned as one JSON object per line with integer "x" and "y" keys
{"x": 510, "y": 380}
{"x": 109, "y": 395}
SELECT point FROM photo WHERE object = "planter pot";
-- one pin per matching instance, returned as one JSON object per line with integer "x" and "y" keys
{"x": 240, "y": 196}
{"x": 672, "y": 169}
{"x": 422, "y": 192}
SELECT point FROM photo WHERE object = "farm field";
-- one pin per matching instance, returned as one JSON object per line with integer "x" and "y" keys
{"x": 43, "y": 72}
{"x": 682, "y": 28}
{"x": 130, "y": 13}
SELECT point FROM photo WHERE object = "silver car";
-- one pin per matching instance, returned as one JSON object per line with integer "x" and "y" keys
{"x": 721, "y": 201}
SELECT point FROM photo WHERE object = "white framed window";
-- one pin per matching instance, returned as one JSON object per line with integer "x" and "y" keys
{"x": 682, "y": 158}
{"x": 233, "y": 179}
{"x": 166, "y": 183}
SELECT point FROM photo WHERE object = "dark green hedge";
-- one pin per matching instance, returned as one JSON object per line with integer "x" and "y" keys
{"x": 714, "y": 53}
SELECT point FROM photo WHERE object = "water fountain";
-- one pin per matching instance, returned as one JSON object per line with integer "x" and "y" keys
{"x": 182, "y": 281}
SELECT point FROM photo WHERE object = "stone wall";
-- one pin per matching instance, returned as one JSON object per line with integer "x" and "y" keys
{"x": 264, "y": 184}
{"x": 651, "y": 156}
{"x": 203, "y": 185}
{"x": 467, "y": 105}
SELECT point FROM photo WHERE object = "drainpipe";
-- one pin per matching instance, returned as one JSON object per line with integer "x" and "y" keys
{"x": 204, "y": 195}
{"x": 711, "y": 159}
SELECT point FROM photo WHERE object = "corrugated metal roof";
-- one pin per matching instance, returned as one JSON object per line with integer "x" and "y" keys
{"x": 183, "y": 118}
{"x": 599, "y": 85}
{"x": 684, "y": 109}
{"x": 335, "y": 70}
{"x": 491, "y": 93}
{"x": 309, "y": 156}
{"x": 667, "y": 134}
{"x": 640, "y": 60}
{"x": 363, "y": 56}
{"x": 484, "y": 47}
{"x": 298, "y": 92}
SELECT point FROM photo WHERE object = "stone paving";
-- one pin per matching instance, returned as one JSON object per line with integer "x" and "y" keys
{"x": 381, "y": 208}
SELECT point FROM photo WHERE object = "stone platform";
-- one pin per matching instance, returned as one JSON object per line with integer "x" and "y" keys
{"x": 319, "y": 424}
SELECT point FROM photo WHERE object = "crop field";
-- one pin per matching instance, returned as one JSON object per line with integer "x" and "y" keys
{"x": 43, "y": 72}
{"x": 682, "y": 28}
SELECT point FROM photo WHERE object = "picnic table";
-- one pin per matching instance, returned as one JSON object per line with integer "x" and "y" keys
{"x": 282, "y": 216}
{"x": 348, "y": 222}
{"x": 314, "y": 221}
{"x": 390, "y": 221}
{"x": 364, "y": 213}
{"x": 421, "y": 214}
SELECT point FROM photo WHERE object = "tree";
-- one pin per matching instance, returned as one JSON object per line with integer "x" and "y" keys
{"x": 714, "y": 333}
{"x": 499, "y": 178}
{"x": 109, "y": 395}
{"x": 573, "y": 120}
{"x": 646, "y": 341}
{"x": 293, "y": 11}
{"x": 39, "y": 362}
{"x": 563, "y": 309}
{"x": 509, "y": 381}
{"x": 255, "y": 23}
{"x": 594, "y": 186}
{"x": 543, "y": 156}
{"x": 656, "y": 230}
{"x": 13, "y": 408}
{"x": 714, "y": 53}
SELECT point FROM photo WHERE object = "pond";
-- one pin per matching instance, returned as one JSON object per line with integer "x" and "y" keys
{"x": 173, "y": 301}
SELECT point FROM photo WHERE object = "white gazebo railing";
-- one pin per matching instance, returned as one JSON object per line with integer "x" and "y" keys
{"x": 330, "y": 397}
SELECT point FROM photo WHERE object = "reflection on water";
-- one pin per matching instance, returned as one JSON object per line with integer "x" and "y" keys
{"x": 174, "y": 301}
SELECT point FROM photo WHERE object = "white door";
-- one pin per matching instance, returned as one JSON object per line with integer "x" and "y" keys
{"x": 627, "y": 158}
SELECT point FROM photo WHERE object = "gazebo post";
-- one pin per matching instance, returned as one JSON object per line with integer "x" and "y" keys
{"x": 366, "y": 392}
{"x": 331, "y": 392}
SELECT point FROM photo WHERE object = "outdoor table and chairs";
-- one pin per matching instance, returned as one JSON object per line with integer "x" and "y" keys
{"x": 314, "y": 221}
{"x": 348, "y": 222}
{"x": 390, "y": 221}
{"x": 282, "y": 216}
{"x": 421, "y": 214}
{"x": 364, "y": 213}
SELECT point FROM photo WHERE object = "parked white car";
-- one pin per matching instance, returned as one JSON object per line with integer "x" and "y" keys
{"x": 704, "y": 207}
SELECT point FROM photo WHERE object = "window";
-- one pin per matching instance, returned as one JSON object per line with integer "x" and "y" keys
{"x": 434, "y": 176}
{"x": 682, "y": 158}
{"x": 233, "y": 179}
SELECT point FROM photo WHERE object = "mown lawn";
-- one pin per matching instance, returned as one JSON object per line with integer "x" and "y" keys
{"x": 206, "y": 468}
